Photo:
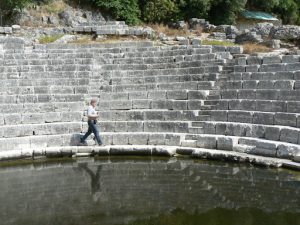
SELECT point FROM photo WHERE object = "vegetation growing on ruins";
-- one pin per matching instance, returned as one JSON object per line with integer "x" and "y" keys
{"x": 165, "y": 11}
{"x": 49, "y": 39}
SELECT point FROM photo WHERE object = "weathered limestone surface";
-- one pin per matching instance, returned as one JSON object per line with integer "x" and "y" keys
{"x": 195, "y": 96}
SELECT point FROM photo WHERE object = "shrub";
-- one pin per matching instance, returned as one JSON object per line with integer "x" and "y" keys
{"x": 158, "y": 11}
{"x": 8, "y": 8}
{"x": 127, "y": 10}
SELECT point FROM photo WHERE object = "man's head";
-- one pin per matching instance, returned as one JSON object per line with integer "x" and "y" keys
{"x": 94, "y": 102}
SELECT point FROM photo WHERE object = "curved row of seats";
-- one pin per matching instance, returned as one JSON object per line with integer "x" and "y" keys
{"x": 192, "y": 96}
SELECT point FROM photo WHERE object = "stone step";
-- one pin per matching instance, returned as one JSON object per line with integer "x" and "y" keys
{"x": 44, "y": 90}
{"x": 20, "y": 118}
{"x": 256, "y": 105}
{"x": 206, "y": 85}
{"x": 47, "y": 107}
{"x": 165, "y": 59}
{"x": 262, "y": 147}
{"x": 268, "y": 132}
{"x": 172, "y": 94}
{"x": 192, "y": 104}
{"x": 47, "y": 68}
{"x": 285, "y": 95}
{"x": 44, "y": 82}
{"x": 56, "y": 128}
{"x": 275, "y": 67}
{"x": 128, "y": 45}
{"x": 40, "y": 98}
{"x": 191, "y": 86}
{"x": 243, "y": 148}
{"x": 248, "y": 76}
{"x": 145, "y": 126}
{"x": 268, "y": 85}
{"x": 202, "y": 67}
{"x": 148, "y": 115}
{"x": 257, "y": 117}
{"x": 137, "y": 74}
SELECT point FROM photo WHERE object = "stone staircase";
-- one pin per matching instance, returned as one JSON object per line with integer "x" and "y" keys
{"x": 190, "y": 96}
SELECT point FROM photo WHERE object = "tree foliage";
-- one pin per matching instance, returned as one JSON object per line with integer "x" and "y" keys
{"x": 8, "y": 7}
{"x": 164, "y": 11}
{"x": 157, "y": 11}
{"x": 127, "y": 10}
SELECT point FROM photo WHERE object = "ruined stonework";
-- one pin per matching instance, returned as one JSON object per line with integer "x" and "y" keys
{"x": 194, "y": 96}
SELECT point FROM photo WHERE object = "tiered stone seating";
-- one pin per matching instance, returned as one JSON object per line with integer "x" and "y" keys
{"x": 259, "y": 102}
{"x": 190, "y": 96}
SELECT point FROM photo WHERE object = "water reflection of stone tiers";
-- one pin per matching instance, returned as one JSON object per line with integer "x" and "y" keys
{"x": 113, "y": 192}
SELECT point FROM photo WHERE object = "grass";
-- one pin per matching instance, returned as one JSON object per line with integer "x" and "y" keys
{"x": 54, "y": 7}
{"x": 217, "y": 42}
{"x": 161, "y": 28}
{"x": 251, "y": 48}
{"x": 87, "y": 39}
{"x": 49, "y": 39}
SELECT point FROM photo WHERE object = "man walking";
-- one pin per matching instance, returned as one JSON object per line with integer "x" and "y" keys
{"x": 92, "y": 121}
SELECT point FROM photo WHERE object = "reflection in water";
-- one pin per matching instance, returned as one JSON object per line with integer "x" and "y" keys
{"x": 140, "y": 191}
{"x": 95, "y": 180}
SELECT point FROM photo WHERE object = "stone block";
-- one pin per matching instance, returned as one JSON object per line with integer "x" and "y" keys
{"x": 249, "y": 105}
{"x": 120, "y": 126}
{"x": 254, "y": 60}
{"x": 246, "y": 94}
{"x": 252, "y": 68}
{"x": 138, "y": 95}
{"x": 290, "y": 58}
{"x": 150, "y": 127}
{"x": 289, "y": 135}
{"x": 33, "y": 118}
{"x": 153, "y": 115}
{"x": 287, "y": 85}
{"x": 120, "y": 105}
{"x": 267, "y": 94}
{"x": 172, "y": 140}
{"x": 156, "y": 139}
{"x": 194, "y": 105}
{"x": 293, "y": 107}
{"x": 225, "y": 143}
{"x": 221, "y": 128}
{"x": 264, "y": 149}
{"x": 165, "y": 127}
{"x": 161, "y": 104}
{"x": 108, "y": 126}
{"x": 12, "y": 119}
{"x": 272, "y": 133}
{"x": 179, "y": 105}
{"x": 271, "y": 59}
{"x": 120, "y": 139}
{"x": 293, "y": 66}
{"x": 285, "y": 119}
{"x": 263, "y": 118}
{"x": 287, "y": 151}
{"x": 265, "y": 84}
{"x": 138, "y": 139}
{"x": 273, "y": 68}
{"x": 239, "y": 116}
{"x": 177, "y": 95}
{"x": 141, "y": 104}
{"x": 256, "y": 131}
{"x": 134, "y": 115}
{"x": 207, "y": 142}
{"x": 135, "y": 126}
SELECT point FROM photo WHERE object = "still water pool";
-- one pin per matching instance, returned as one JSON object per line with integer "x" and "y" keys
{"x": 147, "y": 191}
